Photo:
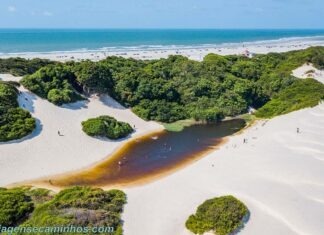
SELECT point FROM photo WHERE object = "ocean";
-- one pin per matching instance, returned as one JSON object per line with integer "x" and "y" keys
{"x": 51, "y": 40}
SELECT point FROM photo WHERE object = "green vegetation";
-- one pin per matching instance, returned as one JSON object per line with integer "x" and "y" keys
{"x": 81, "y": 206}
{"x": 301, "y": 94}
{"x": 178, "y": 125}
{"x": 106, "y": 126}
{"x": 15, "y": 206}
{"x": 222, "y": 215}
{"x": 15, "y": 122}
{"x": 20, "y": 66}
{"x": 53, "y": 82}
{"x": 177, "y": 88}
{"x": 76, "y": 206}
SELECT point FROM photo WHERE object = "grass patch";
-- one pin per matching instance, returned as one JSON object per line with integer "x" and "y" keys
{"x": 178, "y": 125}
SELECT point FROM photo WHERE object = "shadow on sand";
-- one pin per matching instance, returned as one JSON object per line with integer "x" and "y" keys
{"x": 244, "y": 221}
{"x": 83, "y": 104}
{"x": 26, "y": 100}
{"x": 110, "y": 102}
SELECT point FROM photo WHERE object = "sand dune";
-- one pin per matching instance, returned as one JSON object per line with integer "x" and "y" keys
{"x": 309, "y": 71}
{"x": 279, "y": 174}
{"x": 44, "y": 152}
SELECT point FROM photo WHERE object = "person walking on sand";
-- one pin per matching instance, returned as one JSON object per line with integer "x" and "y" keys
{"x": 298, "y": 130}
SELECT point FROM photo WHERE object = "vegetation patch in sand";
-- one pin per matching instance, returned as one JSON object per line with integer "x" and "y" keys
{"x": 106, "y": 126}
{"x": 15, "y": 122}
{"x": 222, "y": 215}
{"x": 301, "y": 94}
{"x": 53, "y": 83}
{"x": 76, "y": 206}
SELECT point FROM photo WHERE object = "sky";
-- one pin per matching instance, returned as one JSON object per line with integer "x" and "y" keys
{"x": 162, "y": 14}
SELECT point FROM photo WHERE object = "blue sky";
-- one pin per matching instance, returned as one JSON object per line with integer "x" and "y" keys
{"x": 161, "y": 14}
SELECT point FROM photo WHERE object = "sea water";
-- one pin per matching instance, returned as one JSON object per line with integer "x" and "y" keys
{"x": 51, "y": 40}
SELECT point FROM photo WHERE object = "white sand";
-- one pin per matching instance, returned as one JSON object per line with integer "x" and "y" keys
{"x": 309, "y": 71}
{"x": 195, "y": 53}
{"x": 44, "y": 152}
{"x": 278, "y": 174}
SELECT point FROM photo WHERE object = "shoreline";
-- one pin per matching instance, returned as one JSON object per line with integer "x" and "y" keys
{"x": 157, "y": 175}
{"x": 194, "y": 52}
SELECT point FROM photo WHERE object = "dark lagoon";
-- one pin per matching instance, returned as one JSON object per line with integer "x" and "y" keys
{"x": 153, "y": 155}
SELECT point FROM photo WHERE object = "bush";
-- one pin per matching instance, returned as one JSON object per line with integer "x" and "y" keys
{"x": 106, "y": 126}
{"x": 20, "y": 66}
{"x": 301, "y": 94}
{"x": 80, "y": 207}
{"x": 53, "y": 82}
{"x": 15, "y": 122}
{"x": 222, "y": 215}
{"x": 15, "y": 206}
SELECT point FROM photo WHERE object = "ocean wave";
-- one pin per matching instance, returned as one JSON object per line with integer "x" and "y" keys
{"x": 167, "y": 47}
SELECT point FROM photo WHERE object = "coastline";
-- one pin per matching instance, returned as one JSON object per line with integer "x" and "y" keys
{"x": 195, "y": 52}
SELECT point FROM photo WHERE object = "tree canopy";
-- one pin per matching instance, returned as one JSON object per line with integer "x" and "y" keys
{"x": 15, "y": 122}
{"x": 106, "y": 126}
{"x": 178, "y": 88}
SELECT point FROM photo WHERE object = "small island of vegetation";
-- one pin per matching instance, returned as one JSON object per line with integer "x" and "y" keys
{"x": 77, "y": 206}
{"x": 15, "y": 122}
{"x": 222, "y": 215}
{"x": 106, "y": 126}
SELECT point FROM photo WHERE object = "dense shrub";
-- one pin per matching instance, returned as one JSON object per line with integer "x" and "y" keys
{"x": 301, "y": 94}
{"x": 20, "y": 66}
{"x": 178, "y": 88}
{"x": 106, "y": 126}
{"x": 222, "y": 215}
{"x": 15, "y": 122}
{"x": 15, "y": 206}
{"x": 53, "y": 82}
{"x": 80, "y": 207}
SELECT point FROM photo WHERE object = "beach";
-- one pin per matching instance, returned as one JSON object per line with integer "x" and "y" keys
{"x": 192, "y": 52}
